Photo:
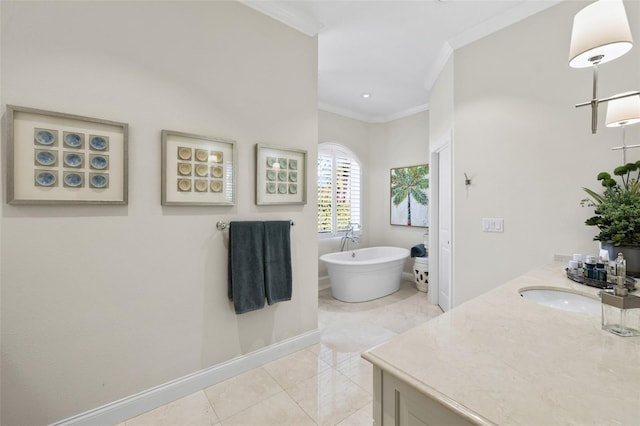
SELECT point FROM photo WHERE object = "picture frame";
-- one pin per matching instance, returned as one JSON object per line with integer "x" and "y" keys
{"x": 59, "y": 158}
{"x": 280, "y": 175}
{"x": 409, "y": 196}
{"x": 197, "y": 170}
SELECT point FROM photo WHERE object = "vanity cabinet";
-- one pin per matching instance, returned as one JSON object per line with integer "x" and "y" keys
{"x": 500, "y": 359}
{"x": 396, "y": 403}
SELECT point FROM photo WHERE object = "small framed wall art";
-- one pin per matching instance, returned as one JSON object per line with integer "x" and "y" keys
{"x": 57, "y": 158}
{"x": 280, "y": 175}
{"x": 197, "y": 170}
{"x": 410, "y": 196}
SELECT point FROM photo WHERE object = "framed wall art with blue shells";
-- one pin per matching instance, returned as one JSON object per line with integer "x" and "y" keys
{"x": 280, "y": 175}
{"x": 58, "y": 158}
{"x": 197, "y": 170}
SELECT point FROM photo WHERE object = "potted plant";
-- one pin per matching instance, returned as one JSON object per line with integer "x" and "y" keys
{"x": 617, "y": 214}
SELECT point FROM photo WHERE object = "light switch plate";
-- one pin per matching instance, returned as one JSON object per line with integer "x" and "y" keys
{"x": 492, "y": 224}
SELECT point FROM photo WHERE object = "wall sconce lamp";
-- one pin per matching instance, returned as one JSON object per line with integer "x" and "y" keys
{"x": 600, "y": 34}
{"x": 623, "y": 112}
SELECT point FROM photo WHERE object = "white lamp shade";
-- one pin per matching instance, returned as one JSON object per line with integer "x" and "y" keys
{"x": 601, "y": 28}
{"x": 623, "y": 111}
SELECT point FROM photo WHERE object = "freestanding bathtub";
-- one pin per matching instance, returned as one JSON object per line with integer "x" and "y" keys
{"x": 365, "y": 274}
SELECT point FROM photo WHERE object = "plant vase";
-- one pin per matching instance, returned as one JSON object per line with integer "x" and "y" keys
{"x": 617, "y": 214}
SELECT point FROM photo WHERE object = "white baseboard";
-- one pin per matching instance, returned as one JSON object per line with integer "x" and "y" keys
{"x": 134, "y": 405}
{"x": 408, "y": 276}
{"x": 323, "y": 282}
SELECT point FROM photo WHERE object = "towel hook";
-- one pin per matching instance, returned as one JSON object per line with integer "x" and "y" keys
{"x": 467, "y": 180}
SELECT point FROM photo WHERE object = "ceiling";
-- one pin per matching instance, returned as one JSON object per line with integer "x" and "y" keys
{"x": 393, "y": 49}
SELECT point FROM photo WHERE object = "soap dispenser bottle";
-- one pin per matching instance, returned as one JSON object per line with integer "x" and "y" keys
{"x": 620, "y": 310}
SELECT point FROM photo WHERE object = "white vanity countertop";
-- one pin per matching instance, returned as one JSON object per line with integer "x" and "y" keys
{"x": 500, "y": 359}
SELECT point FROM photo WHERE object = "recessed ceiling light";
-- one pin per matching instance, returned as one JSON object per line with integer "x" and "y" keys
{"x": 366, "y": 95}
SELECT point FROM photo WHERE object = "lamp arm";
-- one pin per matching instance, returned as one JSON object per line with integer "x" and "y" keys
{"x": 617, "y": 148}
{"x": 610, "y": 98}
{"x": 620, "y": 96}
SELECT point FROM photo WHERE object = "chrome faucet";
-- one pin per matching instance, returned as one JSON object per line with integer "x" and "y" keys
{"x": 349, "y": 236}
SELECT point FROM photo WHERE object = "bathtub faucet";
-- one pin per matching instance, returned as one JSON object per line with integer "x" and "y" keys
{"x": 349, "y": 236}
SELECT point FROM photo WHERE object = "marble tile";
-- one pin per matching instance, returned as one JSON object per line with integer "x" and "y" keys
{"x": 358, "y": 371}
{"x": 399, "y": 319}
{"x": 356, "y": 327}
{"x": 329, "y": 397}
{"x": 327, "y": 383}
{"x": 278, "y": 410}
{"x": 331, "y": 356}
{"x": 362, "y": 417}
{"x": 193, "y": 410}
{"x": 355, "y": 337}
{"x": 241, "y": 392}
{"x": 293, "y": 368}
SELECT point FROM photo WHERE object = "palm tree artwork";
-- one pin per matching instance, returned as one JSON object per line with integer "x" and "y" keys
{"x": 409, "y": 199}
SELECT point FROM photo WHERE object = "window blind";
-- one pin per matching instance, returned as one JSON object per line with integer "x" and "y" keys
{"x": 325, "y": 193}
{"x": 339, "y": 181}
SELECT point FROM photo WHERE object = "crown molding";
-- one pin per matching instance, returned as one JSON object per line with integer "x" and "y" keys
{"x": 509, "y": 17}
{"x": 310, "y": 26}
{"x": 405, "y": 113}
{"x": 438, "y": 64}
{"x": 371, "y": 119}
{"x": 322, "y": 106}
{"x": 301, "y": 22}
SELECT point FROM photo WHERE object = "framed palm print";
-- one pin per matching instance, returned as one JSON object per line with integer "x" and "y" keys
{"x": 280, "y": 175}
{"x": 58, "y": 158}
{"x": 197, "y": 170}
{"x": 410, "y": 196}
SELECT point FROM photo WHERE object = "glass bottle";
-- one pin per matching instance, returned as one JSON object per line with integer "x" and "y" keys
{"x": 621, "y": 311}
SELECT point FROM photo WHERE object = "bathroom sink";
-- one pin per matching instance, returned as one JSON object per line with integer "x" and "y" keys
{"x": 564, "y": 300}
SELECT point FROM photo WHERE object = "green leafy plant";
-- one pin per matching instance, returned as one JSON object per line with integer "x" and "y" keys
{"x": 617, "y": 208}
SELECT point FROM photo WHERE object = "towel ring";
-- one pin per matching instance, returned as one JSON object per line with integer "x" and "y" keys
{"x": 221, "y": 225}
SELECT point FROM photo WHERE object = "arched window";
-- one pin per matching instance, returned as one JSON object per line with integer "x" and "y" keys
{"x": 338, "y": 189}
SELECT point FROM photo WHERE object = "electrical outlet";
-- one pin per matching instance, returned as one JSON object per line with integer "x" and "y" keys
{"x": 492, "y": 224}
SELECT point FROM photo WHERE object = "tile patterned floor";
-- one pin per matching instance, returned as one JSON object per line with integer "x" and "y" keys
{"x": 325, "y": 384}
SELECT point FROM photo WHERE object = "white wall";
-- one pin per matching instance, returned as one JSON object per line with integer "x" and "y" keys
{"x": 441, "y": 125}
{"x": 2, "y": 145}
{"x": 441, "y": 107}
{"x": 399, "y": 143}
{"x": 352, "y": 134}
{"x": 528, "y": 150}
{"x": 380, "y": 147}
{"x": 99, "y": 303}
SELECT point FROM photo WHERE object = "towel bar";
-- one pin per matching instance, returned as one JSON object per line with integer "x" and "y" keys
{"x": 221, "y": 225}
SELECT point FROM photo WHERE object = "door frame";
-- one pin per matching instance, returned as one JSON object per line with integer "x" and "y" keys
{"x": 444, "y": 141}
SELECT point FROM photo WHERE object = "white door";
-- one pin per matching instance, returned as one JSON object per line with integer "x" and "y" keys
{"x": 444, "y": 227}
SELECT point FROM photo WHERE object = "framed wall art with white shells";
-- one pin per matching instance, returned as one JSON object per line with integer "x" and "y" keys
{"x": 280, "y": 175}
{"x": 197, "y": 170}
{"x": 58, "y": 158}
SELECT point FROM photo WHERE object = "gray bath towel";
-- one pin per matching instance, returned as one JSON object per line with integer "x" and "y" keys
{"x": 246, "y": 266}
{"x": 277, "y": 261}
{"x": 419, "y": 250}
